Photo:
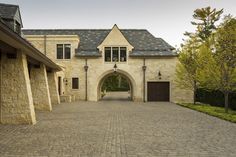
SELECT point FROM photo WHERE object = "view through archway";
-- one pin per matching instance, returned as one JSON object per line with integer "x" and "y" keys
{"x": 116, "y": 87}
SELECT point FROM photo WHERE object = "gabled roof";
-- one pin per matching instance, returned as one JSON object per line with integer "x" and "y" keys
{"x": 10, "y": 11}
{"x": 144, "y": 43}
{"x": 115, "y": 36}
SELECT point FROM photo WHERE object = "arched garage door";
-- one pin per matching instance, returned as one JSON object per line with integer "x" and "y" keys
{"x": 158, "y": 91}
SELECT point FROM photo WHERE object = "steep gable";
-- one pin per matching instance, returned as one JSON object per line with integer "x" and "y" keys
{"x": 115, "y": 37}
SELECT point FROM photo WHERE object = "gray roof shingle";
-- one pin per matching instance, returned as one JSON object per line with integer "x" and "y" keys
{"x": 10, "y": 11}
{"x": 144, "y": 43}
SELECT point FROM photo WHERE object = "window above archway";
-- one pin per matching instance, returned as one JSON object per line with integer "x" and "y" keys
{"x": 115, "y": 54}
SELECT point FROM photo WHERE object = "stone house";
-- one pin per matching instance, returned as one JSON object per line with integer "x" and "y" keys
{"x": 28, "y": 79}
{"x": 37, "y": 66}
{"x": 89, "y": 56}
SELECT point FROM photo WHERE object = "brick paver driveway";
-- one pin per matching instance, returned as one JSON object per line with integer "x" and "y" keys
{"x": 119, "y": 129}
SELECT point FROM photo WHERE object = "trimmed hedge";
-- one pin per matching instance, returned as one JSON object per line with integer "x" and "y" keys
{"x": 215, "y": 98}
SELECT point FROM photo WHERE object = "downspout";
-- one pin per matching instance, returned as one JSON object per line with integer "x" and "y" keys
{"x": 144, "y": 80}
{"x": 45, "y": 45}
{"x": 86, "y": 79}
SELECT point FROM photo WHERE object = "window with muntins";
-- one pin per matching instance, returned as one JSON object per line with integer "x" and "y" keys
{"x": 107, "y": 54}
{"x": 115, "y": 54}
{"x": 75, "y": 83}
{"x": 123, "y": 54}
{"x": 63, "y": 51}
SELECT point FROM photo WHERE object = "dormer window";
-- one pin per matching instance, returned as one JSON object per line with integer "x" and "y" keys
{"x": 115, "y": 54}
{"x": 123, "y": 54}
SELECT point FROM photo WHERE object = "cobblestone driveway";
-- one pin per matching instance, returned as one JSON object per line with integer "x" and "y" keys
{"x": 115, "y": 129}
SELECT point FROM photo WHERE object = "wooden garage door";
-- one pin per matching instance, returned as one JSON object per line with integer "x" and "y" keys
{"x": 158, "y": 91}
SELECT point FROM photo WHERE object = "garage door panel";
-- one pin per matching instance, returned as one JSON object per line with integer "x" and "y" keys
{"x": 158, "y": 91}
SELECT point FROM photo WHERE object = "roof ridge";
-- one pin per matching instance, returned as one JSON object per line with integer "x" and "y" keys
{"x": 61, "y": 29}
{"x": 10, "y": 5}
{"x": 72, "y": 29}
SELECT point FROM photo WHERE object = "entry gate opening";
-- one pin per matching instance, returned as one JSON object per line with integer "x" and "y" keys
{"x": 116, "y": 87}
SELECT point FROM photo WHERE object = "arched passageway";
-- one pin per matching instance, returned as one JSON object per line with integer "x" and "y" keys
{"x": 116, "y": 86}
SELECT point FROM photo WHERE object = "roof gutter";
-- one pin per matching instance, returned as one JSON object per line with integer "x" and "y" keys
{"x": 30, "y": 50}
{"x": 151, "y": 56}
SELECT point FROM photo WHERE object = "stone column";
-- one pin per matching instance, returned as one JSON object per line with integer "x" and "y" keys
{"x": 53, "y": 89}
{"x": 16, "y": 96}
{"x": 40, "y": 89}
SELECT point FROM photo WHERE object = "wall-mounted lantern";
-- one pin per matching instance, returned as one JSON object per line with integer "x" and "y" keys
{"x": 115, "y": 68}
{"x": 86, "y": 68}
{"x": 159, "y": 75}
{"x": 144, "y": 68}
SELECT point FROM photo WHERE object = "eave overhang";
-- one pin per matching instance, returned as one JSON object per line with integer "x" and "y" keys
{"x": 19, "y": 43}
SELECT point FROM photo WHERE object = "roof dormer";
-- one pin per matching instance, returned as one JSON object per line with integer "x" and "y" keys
{"x": 115, "y": 38}
{"x": 10, "y": 15}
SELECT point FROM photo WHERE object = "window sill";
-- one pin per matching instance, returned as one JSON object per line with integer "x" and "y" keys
{"x": 63, "y": 59}
{"x": 116, "y": 62}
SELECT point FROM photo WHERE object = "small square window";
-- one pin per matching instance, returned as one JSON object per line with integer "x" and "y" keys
{"x": 75, "y": 83}
{"x": 63, "y": 51}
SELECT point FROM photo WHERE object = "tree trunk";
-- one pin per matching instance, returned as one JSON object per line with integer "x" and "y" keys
{"x": 119, "y": 83}
{"x": 226, "y": 94}
{"x": 194, "y": 92}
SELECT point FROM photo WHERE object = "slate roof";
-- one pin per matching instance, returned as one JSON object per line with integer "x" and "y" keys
{"x": 10, "y": 11}
{"x": 144, "y": 43}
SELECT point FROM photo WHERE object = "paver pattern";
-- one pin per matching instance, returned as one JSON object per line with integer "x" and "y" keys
{"x": 120, "y": 128}
{"x": 121, "y": 96}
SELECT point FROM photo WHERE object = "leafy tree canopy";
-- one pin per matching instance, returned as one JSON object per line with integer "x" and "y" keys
{"x": 205, "y": 19}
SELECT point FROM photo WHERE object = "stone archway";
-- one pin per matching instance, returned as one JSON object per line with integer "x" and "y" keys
{"x": 124, "y": 74}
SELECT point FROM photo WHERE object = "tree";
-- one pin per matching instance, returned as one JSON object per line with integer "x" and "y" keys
{"x": 115, "y": 83}
{"x": 219, "y": 60}
{"x": 205, "y": 22}
{"x": 186, "y": 70}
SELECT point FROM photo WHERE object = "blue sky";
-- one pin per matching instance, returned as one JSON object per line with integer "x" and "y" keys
{"x": 167, "y": 19}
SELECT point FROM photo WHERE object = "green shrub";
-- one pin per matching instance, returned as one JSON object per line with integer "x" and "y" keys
{"x": 213, "y": 111}
{"x": 215, "y": 98}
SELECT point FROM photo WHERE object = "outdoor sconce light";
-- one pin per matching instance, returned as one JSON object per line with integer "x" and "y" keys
{"x": 144, "y": 68}
{"x": 159, "y": 75}
{"x": 65, "y": 80}
{"x": 115, "y": 68}
{"x": 86, "y": 68}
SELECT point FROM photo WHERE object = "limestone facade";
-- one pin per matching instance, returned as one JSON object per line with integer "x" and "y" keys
{"x": 16, "y": 96}
{"x": 23, "y": 73}
{"x": 71, "y": 67}
{"x": 40, "y": 88}
{"x": 98, "y": 68}
{"x": 53, "y": 88}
